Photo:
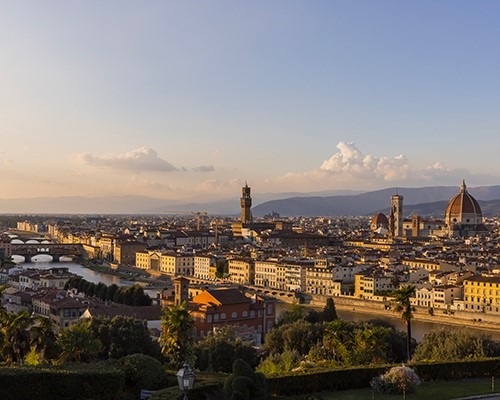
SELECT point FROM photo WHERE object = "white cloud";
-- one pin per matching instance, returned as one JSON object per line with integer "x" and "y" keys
{"x": 350, "y": 163}
{"x": 349, "y": 168}
{"x": 142, "y": 159}
{"x": 217, "y": 185}
{"x": 204, "y": 168}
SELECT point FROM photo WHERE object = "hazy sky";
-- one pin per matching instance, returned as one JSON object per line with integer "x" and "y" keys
{"x": 188, "y": 99}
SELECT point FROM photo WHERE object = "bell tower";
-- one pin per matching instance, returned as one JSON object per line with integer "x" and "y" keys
{"x": 246, "y": 204}
{"x": 396, "y": 215}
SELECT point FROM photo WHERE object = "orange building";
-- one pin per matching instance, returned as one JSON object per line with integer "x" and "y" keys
{"x": 251, "y": 317}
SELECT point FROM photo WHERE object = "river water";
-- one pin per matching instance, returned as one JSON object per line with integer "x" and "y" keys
{"x": 418, "y": 328}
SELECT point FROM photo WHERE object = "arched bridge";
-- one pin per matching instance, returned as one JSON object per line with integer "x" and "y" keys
{"x": 56, "y": 250}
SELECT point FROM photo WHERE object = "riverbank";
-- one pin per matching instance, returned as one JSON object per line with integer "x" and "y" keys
{"x": 464, "y": 319}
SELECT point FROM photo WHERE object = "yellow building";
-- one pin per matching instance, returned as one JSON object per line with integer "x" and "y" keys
{"x": 241, "y": 270}
{"x": 482, "y": 294}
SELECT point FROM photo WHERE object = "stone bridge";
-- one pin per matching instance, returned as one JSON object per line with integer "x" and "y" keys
{"x": 28, "y": 250}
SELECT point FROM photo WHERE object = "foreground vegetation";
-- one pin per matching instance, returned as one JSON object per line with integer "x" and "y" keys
{"x": 442, "y": 390}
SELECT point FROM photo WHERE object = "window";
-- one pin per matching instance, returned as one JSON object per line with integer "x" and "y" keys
{"x": 216, "y": 317}
{"x": 234, "y": 315}
{"x": 209, "y": 318}
{"x": 223, "y": 316}
{"x": 252, "y": 314}
{"x": 244, "y": 314}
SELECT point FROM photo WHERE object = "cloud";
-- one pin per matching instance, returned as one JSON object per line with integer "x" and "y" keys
{"x": 216, "y": 185}
{"x": 349, "y": 168}
{"x": 350, "y": 163}
{"x": 204, "y": 168}
{"x": 142, "y": 159}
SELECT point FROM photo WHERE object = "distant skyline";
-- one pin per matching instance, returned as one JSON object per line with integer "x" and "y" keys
{"x": 186, "y": 100}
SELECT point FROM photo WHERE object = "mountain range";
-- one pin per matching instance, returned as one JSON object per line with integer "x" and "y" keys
{"x": 366, "y": 203}
{"x": 424, "y": 201}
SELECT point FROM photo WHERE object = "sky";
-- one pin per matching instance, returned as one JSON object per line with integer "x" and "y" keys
{"x": 187, "y": 100}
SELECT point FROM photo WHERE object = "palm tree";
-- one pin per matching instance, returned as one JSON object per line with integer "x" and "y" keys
{"x": 78, "y": 343}
{"x": 176, "y": 335}
{"x": 402, "y": 298}
{"x": 16, "y": 336}
{"x": 43, "y": 337}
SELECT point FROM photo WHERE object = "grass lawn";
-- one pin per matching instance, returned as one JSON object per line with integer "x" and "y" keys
{"x": 443, "y": 390}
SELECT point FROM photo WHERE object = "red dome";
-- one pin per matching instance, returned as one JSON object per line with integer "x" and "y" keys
{"x": 380, "y": 219}
{"x": 463, "y": 203}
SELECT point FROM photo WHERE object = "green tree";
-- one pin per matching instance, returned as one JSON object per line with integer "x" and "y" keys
{"x": 219, "y": 350}
{"x": 329, "y": 312}
{"x": 78, "y": 343}
{"x": 294, "y": 313}
{"x": 245, "y": 384}
{"x": 447, "y": 345}
{"x": 176, "y": 339}
{"x": 43, "y": 338}
{"x": 16, "y": 336}
{"x": 299, "y": 336}
{"x": 402, "y": 297}
{"x": 121, "y": 336}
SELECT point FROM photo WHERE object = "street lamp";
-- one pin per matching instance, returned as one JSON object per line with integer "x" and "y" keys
{"x": 185, "y": 377}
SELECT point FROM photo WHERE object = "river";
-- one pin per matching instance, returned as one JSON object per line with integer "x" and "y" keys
{"x": 418, "y": 328}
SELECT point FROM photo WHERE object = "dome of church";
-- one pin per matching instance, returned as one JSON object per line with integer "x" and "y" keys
{"x": 380, "y": 219}
{"x": 463, "y": 216}
{"x": 461, "y": 204}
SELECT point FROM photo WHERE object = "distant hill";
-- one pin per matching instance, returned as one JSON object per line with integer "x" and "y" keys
{"x": 437, "y": 208}
{"x": 307, "y": 204}
{"x": 362, "y": 204}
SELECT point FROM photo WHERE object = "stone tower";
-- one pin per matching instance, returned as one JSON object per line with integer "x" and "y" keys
{"x": 397, "y": 215}
{"x": 246, "y": 204}
{"x": 181, "y": 290}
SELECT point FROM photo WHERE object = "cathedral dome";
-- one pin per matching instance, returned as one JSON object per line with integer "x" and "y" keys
{"x": 379, "y": 221}
{"x": 463, "y": 216}
{"x": 463, "y": 204}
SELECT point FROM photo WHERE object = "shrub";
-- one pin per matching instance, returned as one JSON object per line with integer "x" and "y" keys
{"x": 141, "y": 372}
{"x": 51, "y": 383}
{"x": 398, "y": 380}
{"x": 244, "y": 383}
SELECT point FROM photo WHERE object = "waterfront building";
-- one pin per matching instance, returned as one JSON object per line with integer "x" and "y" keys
{"x": 371, "y": 283}
{"x": 241, "y": 270}
{"x": 177, "y": 264}
{"x": 124, "y": 251}
{"x": 482, "y": 294}
{"x": 201, "y": 266}
{"x": 266, "y": 273}
{"x": 250, "y": 317}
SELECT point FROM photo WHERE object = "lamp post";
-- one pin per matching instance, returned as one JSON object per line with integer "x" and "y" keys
{"x": 185, "y": 377}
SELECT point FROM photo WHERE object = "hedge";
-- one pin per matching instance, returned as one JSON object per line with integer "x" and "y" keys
{"x": 457, "y": 369}
{"x": 199, "y": 392}
{"x": 339, "y": 379}
{"x": 354, "y": 378}
{"x": 59, "y": 384}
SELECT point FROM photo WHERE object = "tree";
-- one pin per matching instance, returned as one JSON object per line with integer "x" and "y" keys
{"x": 402, "y": 298}
{"x": 16, "y": 336}
{"x": 121, "y": 336}
{"x": 445, "y": 345}
{"x": 218, "y": 351}
{"x": 245, "y": 384}
{"x": 43, "y": 339}
{"x": 329, "y": 312}
{"x": 176, "y": 335}
{"x": 294, "y": 313}
{"x": 78, "y": 344}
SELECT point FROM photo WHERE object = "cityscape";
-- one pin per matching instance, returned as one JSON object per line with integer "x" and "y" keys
{"x": 235, "y": 200}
